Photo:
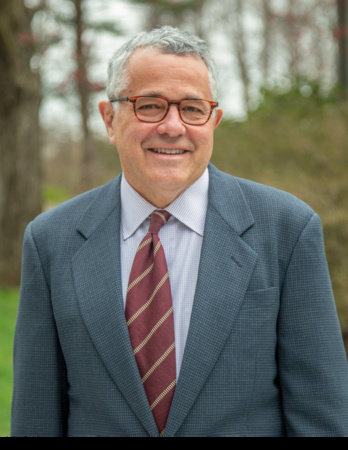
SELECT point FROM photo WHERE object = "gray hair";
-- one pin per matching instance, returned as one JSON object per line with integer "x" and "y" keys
{"x": 167, "y": 39}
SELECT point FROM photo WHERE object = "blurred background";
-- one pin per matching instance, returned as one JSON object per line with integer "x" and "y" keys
{"x": 283, "y": 76}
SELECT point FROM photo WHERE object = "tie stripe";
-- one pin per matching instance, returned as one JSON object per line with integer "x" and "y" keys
{"x": 149, "y": 316}
{"x": 157, "y": 248}
{"x": 153, "y": 330}
{"x": 162, "y": 216}
{"x": 144, "y": 243}
{"x": 140, "y": 277}
{"x": 148, "y": 270}
{"x": 163, "y": 394}
{"x": 158, "y": 362}
{"x": 148, "y": 303}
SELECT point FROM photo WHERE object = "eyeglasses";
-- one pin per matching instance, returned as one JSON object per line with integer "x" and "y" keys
{"x": 154, "y": 109}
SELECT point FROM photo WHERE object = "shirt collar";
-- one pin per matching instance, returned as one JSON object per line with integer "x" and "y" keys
{"x": 190, "y": 207}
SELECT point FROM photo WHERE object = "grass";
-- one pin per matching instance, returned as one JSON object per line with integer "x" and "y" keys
{"x": 55, "y": 194}
{"x": 8, "y": 311}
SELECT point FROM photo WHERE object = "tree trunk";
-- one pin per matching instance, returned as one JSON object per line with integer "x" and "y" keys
{"x": 240, "y": 44}
{"x": 342, "y": 16}
{"x": 292, "y": 35}
{"x": 20, "y": 171}
{"x": 267, "y": 40}
{"x": 86, "y": 175}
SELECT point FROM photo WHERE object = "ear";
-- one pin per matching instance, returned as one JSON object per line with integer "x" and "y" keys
{"x": 217, "y": 117}
{"x": 107, "y": 113}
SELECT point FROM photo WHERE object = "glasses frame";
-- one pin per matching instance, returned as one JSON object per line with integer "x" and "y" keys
{"x": 169, "y": 102}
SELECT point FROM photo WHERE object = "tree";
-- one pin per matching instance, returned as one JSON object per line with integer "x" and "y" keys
{"x": 238, "y": 40}
{"x": 267, "y": 34}
{"x": 177, "y": 13}
{"x": 83, "y": 91}
{"x": 342, "y": 37}
{"x": 75, "y": 20}
{"x": 20, "y": 172}
{"x": 273, "y": 44}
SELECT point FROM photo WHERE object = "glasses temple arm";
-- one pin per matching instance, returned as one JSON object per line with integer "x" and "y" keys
{"x": 120, "y": 99}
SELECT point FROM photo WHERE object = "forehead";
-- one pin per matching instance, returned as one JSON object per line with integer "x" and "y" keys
{"x": 151, "y": 71}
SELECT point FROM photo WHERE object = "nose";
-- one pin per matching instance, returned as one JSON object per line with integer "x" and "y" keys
{"x": 172, "y": 124}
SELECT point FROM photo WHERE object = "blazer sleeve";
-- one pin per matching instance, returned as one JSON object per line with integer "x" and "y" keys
{"x": 39, "y": 404}
{"x": 312, "y": 362}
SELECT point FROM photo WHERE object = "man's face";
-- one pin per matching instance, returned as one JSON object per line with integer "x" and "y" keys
{"x": 161, "y": 160}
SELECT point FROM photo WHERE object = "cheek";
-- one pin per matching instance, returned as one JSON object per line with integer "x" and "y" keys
{"x": 129, "y": 142}
{"x": 135, "y": 135}
{"x": 125, "y": 138}
{"x": 204, "y": 144}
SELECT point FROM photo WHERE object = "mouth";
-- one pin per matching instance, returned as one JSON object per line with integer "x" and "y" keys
{"x": 168, "y": 151}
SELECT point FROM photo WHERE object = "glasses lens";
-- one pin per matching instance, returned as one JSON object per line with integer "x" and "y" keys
{"x": 195, "y": 112}
{"x": 150, "y": 109}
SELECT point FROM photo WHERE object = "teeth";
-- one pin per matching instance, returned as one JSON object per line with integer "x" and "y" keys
{"x": 168, "y": 151}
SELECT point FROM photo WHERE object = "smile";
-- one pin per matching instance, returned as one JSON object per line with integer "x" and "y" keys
{"x": 168, "y": 151}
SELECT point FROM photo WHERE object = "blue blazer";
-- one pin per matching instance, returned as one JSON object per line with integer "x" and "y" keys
{"x": 264, "y": 354}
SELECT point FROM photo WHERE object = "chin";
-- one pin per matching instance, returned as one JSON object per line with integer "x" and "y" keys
{"x": 171, "y": 183}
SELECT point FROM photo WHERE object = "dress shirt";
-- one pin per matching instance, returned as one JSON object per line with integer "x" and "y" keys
{"x": 181, "y": 239}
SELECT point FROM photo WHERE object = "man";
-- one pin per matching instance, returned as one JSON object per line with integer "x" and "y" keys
{"x": 250, "y": 343}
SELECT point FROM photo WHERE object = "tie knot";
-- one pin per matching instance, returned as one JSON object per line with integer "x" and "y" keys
{"x": 157, "y": 219}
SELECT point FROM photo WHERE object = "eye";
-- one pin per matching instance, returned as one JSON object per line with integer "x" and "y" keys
{"x": 197, "y": 108}
{"x": 149, "y": 106}
{"x": 191, "y": 108}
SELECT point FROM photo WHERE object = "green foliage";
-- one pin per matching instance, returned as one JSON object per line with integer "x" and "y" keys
{"x": 55, "y": 194}
{"x": 297, "y": 141}
{"x": 8, "y": 311}
{"x": 304, "y": 97}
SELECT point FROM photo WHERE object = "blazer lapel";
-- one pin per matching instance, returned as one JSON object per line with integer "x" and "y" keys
{"x": 225, "y": 269}
{"x": 97, "y": 278}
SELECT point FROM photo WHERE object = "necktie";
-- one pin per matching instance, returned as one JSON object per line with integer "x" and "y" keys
{"x": 149, "y": 315}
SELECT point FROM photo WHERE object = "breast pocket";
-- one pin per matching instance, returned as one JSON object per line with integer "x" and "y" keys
{"x": 255, "y": 329}
{"x": 261, "y": 299}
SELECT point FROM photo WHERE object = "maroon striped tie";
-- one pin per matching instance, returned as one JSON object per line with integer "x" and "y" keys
{"x": 149, "y": 315}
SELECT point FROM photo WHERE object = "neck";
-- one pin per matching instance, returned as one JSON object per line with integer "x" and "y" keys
{"x": 159, "y": 199}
